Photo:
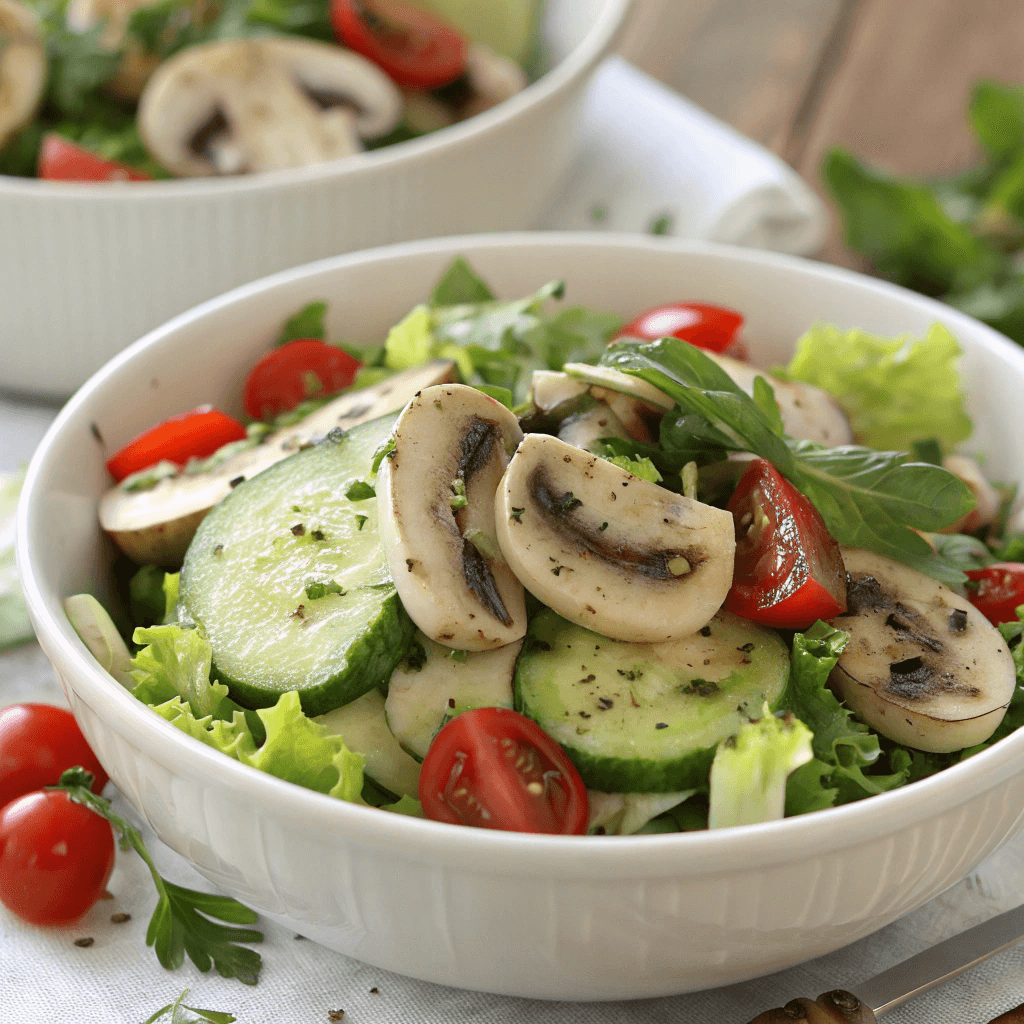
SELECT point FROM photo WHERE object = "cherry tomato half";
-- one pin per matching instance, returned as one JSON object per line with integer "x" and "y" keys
{"x": 415, "y": 48}
{"x": 495, "y": 768}
{"x": 55, "y": 857}
{"x": 789, "y": 572}
{"x": 714, "y": 328}
{"x": 1000, "y": 590}
{"x": 62, "y": 160}
{"x": 37, "y": 743}
{"x": 192, "y": 435}
{"x": 302, "y": 369}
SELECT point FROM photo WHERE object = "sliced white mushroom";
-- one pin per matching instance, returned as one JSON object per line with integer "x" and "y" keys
{"x": 552, "y": 392}
{"x": 363, "y": 726}
{"x": 986, "y": 497}
{"x": 586, "y": 429}
{"x": 609, "y": 551}
{"x": 431, "y": 684}
{"x": 262, "y": 104}
{"x": 923, "y": 666}
{"x": 156, "y": 525}
{"x": 639, "y": 419}
{"x": 623, "y": 383}
{"x": 808, "y": 413}
{"x": 22, "y": 67}
{"x": 492, "y": 79}
{"x": 435, "y": 497}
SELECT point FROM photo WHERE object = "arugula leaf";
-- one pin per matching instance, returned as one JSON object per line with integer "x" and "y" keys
{"x": 895, "y": 391}
{"x": 459, "y": 285}
{"x": 184, "y": 921}
{"x": 308, "y": 322}
{"x": 867, "y": 499}
{"x": 997, "y": 116}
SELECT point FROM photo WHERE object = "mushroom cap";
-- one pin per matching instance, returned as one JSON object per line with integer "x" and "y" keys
{"x": 611, "y": 552}
{"x": 263, "y": 104}
{"x": 22, "y": 67}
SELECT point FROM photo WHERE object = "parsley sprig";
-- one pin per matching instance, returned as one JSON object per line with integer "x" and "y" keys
{"x": 181, "y": 921}
{"x": 868, "y": 499}
{"x": 179, "y": 1013}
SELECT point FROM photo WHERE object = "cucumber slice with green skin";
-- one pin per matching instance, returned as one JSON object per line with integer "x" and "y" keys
{"x": 363, "y": 727}
{"x": 646, "y": 718}
{"x": 288, "y": 579}
{"x": 429, "y": 685}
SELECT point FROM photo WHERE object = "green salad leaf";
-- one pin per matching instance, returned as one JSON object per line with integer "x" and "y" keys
{"x": 750, "y": 770}
{"x": 459, "y": 285}
{"x": 895, "y": 391}
{"x": 308, "y": 322}
{"x": 175, "y": 662}
{"x": 15, "y": 627}
{"x": 867, "y": 499}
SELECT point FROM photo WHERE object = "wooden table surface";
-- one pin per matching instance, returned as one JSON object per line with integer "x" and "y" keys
{"x": 887, "y": 79}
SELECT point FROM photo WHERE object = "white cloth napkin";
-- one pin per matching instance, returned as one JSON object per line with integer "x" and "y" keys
{"x": 650, "y": 157}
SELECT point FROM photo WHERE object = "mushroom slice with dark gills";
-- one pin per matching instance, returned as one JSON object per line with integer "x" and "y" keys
{"x": 435, "y": 495}
{"x": 246, "y": 105}
{"x": 923, "y": 666}
{"x": 609, "y": 551}
{"x": 22, "y": 67}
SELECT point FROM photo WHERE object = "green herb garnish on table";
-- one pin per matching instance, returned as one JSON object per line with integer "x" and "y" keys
{"x": 958, "y": 238}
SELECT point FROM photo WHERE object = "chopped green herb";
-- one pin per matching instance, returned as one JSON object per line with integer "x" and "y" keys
{"x": 661, "y": 225}
{"x": 603, "y": 527}
{"x": 458, "y": 499}
{"x": 146, "y": 479}
{"x": 459, "y": 656}
{"x": 517, "y": 514}
{"x": 178, "y": 1013}
{"x": 360, "y": 521}
{"x": 386, "y": 451}
{"x": 316, "y": 589}
{"x": 567, "y": 503}
{"x": 360, "y": 490}
{"x": 308, "y": 322}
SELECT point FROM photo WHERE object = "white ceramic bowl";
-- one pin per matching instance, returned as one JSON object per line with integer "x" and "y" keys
{"x": 87, "y": 269}
{"x": 553, "y": 917}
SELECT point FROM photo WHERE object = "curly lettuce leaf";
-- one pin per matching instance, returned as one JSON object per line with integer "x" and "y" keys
{"x": 232, "y": 737}
{"x": 895, "y": 391}
{"x": 175, "y": 662}
{"x": 845, "y": 749}
{"x": 751, "y": 769}
{"x": 302, "y": 751}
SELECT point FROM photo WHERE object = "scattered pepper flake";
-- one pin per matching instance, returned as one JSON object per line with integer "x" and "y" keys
{"x": 517, "y": 514}
{"x": 85, "y": 942}
{"x": 605, "y": 703}
{"x": 235, "y": 481}
{"x": 120, "y": 918}
{"x": 299, "y": 529}
{"x": 661, "y": 725}
{"x": 374, "y": 991}
{"x": 318, "y": 535}
{"x": 335, "y": 1014}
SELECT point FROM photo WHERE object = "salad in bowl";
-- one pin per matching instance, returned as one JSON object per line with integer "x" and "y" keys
{"x": 245, "y": 793}
{"x": 523, "y": 566}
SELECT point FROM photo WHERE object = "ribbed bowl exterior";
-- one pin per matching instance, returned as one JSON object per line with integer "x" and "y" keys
{"x": 85, "y": 270}
{"x": 550, "y": 917}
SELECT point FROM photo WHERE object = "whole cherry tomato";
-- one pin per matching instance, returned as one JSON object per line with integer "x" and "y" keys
{"x": 192, "y": 435}
{"x": 789, "y": 572}
{"x": 55, "y": 857}
{"x": 999, "y": 592}
{"x": 37, "y": 743}
{"x": 302, "y": 369}
{"x": 495, "y": 768}
{"x": 61, "y": 160}
{"x": 415, "y": 48}
{"x": 710, "y": 327}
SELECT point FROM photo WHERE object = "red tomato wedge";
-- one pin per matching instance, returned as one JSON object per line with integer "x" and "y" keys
{"x": 495, "y": 768}
{"x": 55, "y": 858}
{"x": 307, "y": 368}
{"x": 789, "y": 572}
{"x": 418, "y": 50}
{"x": 999, "y": 592}
{"x": 37, "y": 743}
{"x": 192, "y": 435}
{"x": 714, "y": 328}
{"x": 62, "y": 160}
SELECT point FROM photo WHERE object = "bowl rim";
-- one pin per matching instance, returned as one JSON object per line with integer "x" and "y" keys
{"x": 517, "y": 854}
{"x": 574, "y": 66}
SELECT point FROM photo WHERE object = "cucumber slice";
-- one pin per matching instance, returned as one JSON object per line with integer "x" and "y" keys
{"x": 265, "y": 572}
{"x": 363, "y": 727}
{"x": 429, "y": 684}
{"x": 646, "y": 718}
